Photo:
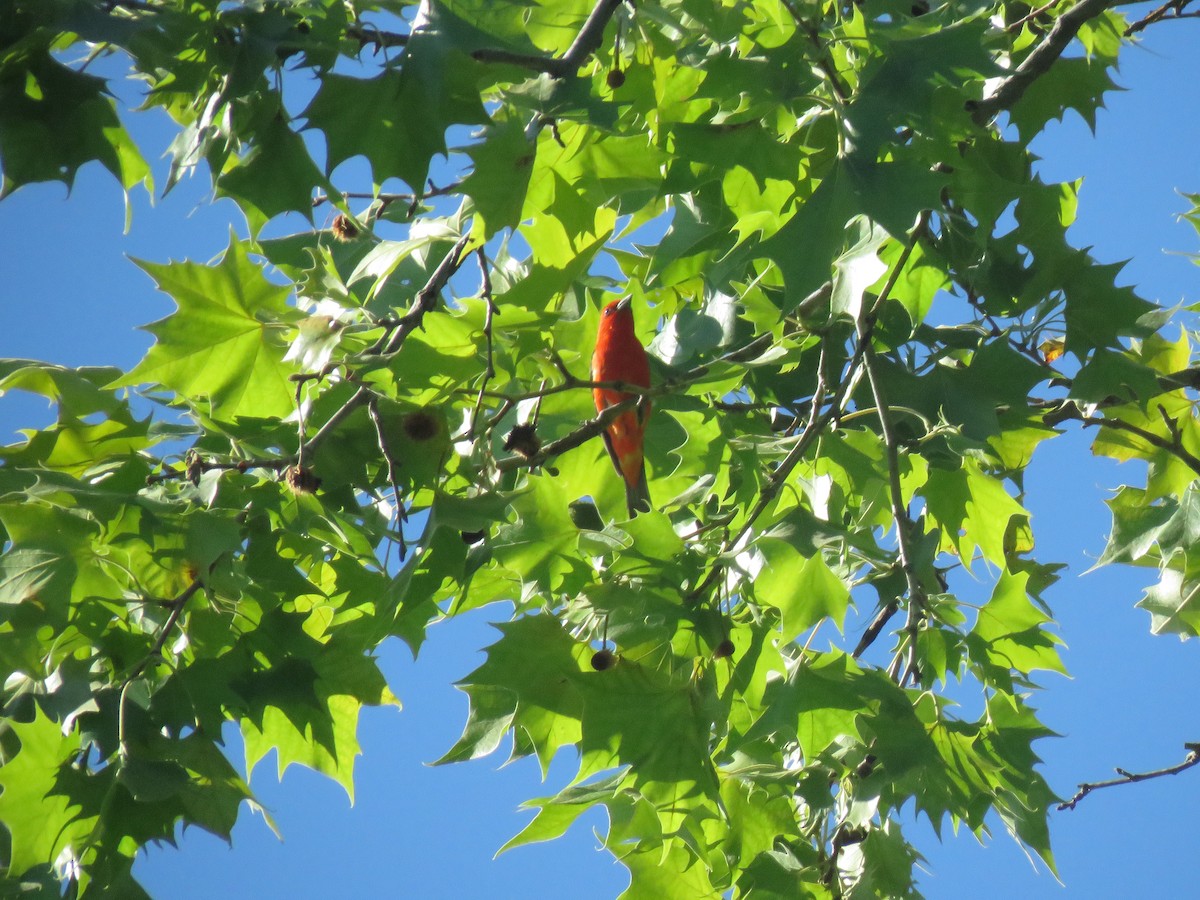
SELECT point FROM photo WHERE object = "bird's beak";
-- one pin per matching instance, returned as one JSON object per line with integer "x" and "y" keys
{"x": 625, "y": 302}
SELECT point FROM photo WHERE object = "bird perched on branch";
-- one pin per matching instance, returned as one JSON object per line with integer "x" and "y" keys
{"x": 620, "y": 356}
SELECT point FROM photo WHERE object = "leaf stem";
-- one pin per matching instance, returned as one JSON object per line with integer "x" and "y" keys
{"x": 904, "y": 524}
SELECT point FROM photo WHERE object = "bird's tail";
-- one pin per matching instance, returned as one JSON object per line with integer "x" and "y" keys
{"x": 637, "y": 495}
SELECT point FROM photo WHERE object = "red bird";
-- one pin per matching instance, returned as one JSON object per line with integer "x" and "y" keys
{"x": 620, "y": 356}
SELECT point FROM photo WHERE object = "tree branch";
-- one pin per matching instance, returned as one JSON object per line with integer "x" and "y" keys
{"x": 193, "y": 468}
{"x": 590, "y": 36}
{"x": 1192, "y": 759}
{"x": 585, "y": 432}
{"x": 381, "y": 40}
{"x": 547, "y": 65}
{"x": 177, "y": 606}
{"x": 1173, "y": 9}
{"x": 1069, "y": 410}
{"x": 1038, "y": 63}
{"x": 904, "y": 523}
{"x": 817, "y": 420}
{"x": 393, "y": 339}
{"x": 874, "y": 628}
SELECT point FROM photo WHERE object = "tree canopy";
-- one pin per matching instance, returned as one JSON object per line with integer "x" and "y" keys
{"x": 374, "y": 412}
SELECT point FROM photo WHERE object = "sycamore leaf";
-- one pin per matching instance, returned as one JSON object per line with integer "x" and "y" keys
{"x": 503, "y": 161}
{"x": 398, "y": 119}
{"x": 223, "y": 346}
{"x": 1014, "y": 628}
{"x": 527, "y": 683}
{"x": 805, "y": 591}
{"x": 277, "y": 175}
{"x": 674, "y": 875}
{"x": 973, "y": 510}
{"x": 40, "y": 822}
{"x": 1174, "y": 603}
{"x": 556, "y": 814}
{"x": 53, "y": 120}
{"x": 891, "y": 194}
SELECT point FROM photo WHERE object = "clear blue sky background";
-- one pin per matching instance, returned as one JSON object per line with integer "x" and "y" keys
{"x": 71, "y": 297}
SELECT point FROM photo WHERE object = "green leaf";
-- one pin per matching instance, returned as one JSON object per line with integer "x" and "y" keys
{"x": 504, "y": 160}
{"x": 277, "y": 175}
{"x": 1174, "y": 602}
{"x": 1098, "y": 313}
{"x": 26, "y": 574}
{"x": 152, "y": 780}
{"x": 805, "y": 591}
{"x": 40, "y": 822}
{"x": 53, "y": 120}
{"x": 527, "y": 681}
{"x": 1014, "y": 628}
{"x": 667, "y": 751}
{"x": 398, "y": 119}
{"x": 1071, "y": 83}
{"x": 891, "y": 194}
{"x": 673, "y": 875}
{"x": 223, "y": 347}
{"x": 556, "y": 814}
{"x": 541, "y": 543}
{"x": 973, "y": 510}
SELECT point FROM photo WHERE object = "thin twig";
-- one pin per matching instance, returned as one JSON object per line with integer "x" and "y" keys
{"x": 381, "y": 40}
{"x": 875, "y": 628}
{"x": 1174, "y": 446}
{"x": 581, "y": 435}
{"x": 824, "y": 60}
{"x": 1033, "y": 14}
{"x": 549, "y": 65}
{"x": 387, "y": 199}
{"x": 208, "y": 465}
{"x": 300, "y": 422}
{"x": 1163, "y": 13}
{"x": 1126, "y": 777}
{"x": 489, "y": 371}
{"x": 749, "y": 351}
{"x": 391, "y": 466}
{"x": 817, "y": 422}
{"x": 176, "y": 607}
{"x": 904, "y": 523}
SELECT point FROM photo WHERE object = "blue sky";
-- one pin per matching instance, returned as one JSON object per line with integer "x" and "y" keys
{"x": 72, "y": 297}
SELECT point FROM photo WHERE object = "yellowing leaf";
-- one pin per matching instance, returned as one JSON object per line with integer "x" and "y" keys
{"x": 1052, "y": 349}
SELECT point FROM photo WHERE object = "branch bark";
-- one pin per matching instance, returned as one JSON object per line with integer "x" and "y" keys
{"x": 391, "y": 342}
{"x": 1126, "y": 777}
{"x": 1038, "y": 63}
{"x": 589, "y": 38}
